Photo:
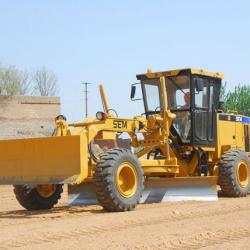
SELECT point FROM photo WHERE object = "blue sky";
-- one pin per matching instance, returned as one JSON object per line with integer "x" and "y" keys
{"x": 112, "y": 41}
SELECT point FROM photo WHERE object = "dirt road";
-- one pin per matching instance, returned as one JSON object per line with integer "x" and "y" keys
{"x": 184, "y": 225}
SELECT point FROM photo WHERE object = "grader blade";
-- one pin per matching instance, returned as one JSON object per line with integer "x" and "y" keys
{"x": 156, "y": 190}
{"x": 40, "y": 160}
{"x": 180, "y": 189}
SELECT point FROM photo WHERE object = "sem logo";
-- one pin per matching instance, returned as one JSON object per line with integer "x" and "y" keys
{"x": 120, "y": 124}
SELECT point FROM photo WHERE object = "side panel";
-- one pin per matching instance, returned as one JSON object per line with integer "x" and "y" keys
{"x": 40, "y": 160}
{"x": 226, "y": 133}
{"x": 247, "y": 137}
{"x": 233, "y": 132}
{"x": 240, "y": 138}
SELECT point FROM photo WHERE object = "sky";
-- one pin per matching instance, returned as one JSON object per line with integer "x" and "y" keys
{"x": 110, "y": 42}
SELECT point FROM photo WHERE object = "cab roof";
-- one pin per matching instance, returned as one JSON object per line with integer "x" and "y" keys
{"x": 151, "y": 74}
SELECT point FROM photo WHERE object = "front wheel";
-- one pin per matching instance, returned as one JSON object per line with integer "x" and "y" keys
{"x": 37, "y": 197}
{"x": 118, "y": 180}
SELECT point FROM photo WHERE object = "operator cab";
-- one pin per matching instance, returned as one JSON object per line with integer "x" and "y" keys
{"x": 193, "y": 95}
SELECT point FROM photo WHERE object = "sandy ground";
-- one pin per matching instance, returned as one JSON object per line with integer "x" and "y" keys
{"x": 183, "y": 225}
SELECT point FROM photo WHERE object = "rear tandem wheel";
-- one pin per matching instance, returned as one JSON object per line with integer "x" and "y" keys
{"x": 234, "y": 173}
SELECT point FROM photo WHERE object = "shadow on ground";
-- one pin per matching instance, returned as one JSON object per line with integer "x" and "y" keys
{"x": 61, "y": 211}
{"x": 54, "y": 212}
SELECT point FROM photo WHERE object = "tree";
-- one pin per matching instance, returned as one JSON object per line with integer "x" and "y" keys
{"x": 223, "y": 91}
{"x": 14, "y": 81}
{"x": 45, "y": 82}
{"x": 239, "y": 100}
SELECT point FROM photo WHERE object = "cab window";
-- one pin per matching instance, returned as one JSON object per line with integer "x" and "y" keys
{"x": 178, "y": 92}
{"x": 152, "y": 93}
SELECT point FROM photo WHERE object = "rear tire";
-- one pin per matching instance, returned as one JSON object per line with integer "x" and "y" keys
{"x": 234, "y": 173}
{"x": 36, "y": 198}
{"x": 118, "y": 180}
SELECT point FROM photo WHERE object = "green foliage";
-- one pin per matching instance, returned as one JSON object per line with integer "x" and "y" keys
{"x": 238, "y": 100}
{"x": 223, "y": 92}
{"x": 13, "y": 81}
{"x": 18, "y": 82}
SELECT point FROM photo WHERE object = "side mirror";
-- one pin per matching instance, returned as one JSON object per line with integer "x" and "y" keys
{"x": 133, "y": 90}
{"x": 199, "y": 84}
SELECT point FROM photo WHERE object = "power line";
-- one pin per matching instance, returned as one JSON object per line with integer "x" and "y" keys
{"x": 86, "y": 97}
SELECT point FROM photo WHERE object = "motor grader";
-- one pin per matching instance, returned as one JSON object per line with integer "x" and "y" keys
{"x": 184, "y": 146}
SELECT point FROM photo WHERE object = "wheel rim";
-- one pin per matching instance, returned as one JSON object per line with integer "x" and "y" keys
{"x": 243, "y": 174}
{"x": 126, "y": 180}
{"x": 46, "y": 190}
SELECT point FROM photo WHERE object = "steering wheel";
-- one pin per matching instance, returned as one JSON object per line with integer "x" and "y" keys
{"x": 158, "y": 107}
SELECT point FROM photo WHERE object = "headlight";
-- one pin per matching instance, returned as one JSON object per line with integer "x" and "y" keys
{"x": 60, "y": 117}
{"x": 101, "y": 116}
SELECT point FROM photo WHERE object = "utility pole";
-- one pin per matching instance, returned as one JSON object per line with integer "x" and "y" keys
{"x": 86, "y": 97}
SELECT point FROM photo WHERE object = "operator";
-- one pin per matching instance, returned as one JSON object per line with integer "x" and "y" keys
{"x": 187, "y": 100}
{"x": 185, "y": 119}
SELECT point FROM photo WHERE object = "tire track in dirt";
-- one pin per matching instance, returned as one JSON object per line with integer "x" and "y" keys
{"x": 52, "y": 237}
{"x": 57, "y": 213}
{"x": 204, "y": 239}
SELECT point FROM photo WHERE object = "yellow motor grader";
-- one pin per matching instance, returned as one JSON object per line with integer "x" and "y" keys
{"x": 184, "y": 146}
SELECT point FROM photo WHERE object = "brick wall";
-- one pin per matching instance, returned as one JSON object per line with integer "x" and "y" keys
{"x": 27, "y": 116}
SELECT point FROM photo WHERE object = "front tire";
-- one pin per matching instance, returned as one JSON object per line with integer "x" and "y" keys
{"x": 234, "y": 173}
{"x": 118, "y": 180}
{"x": 38, "y": 197}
